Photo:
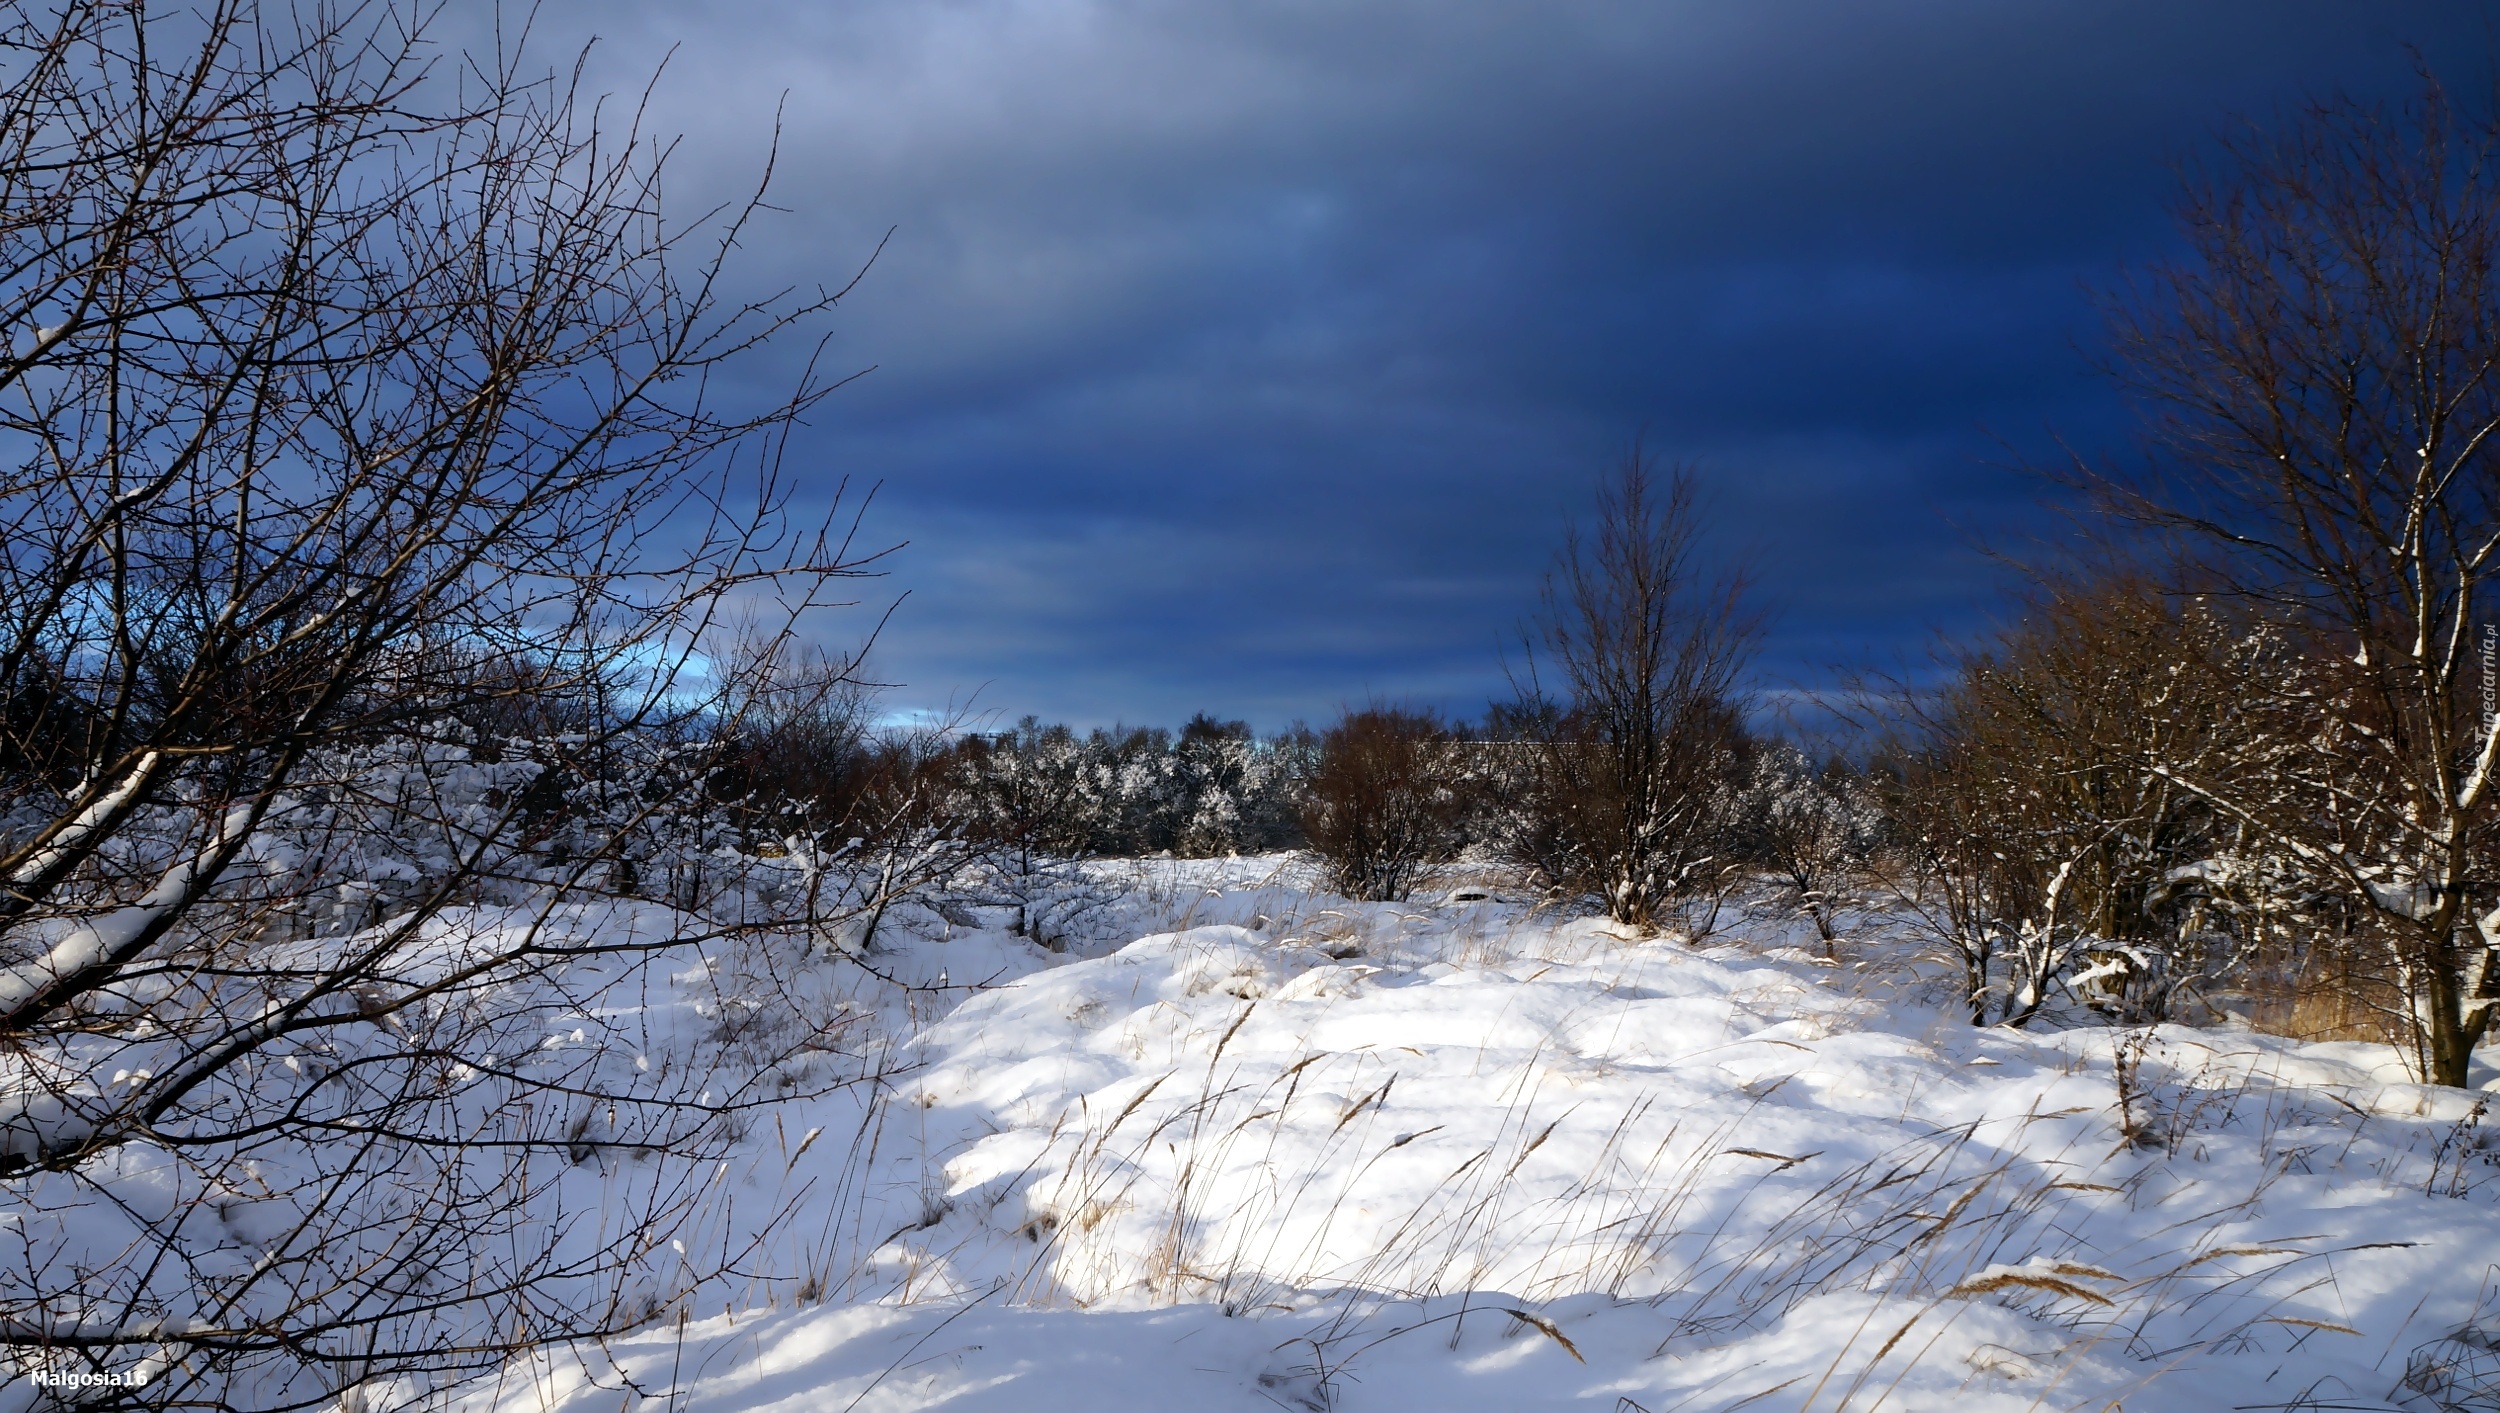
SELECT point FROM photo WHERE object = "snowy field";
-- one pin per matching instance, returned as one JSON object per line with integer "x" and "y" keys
{"x": 1254, "y": 1147}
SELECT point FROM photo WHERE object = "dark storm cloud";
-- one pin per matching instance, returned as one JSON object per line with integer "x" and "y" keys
{"x": 1249, "y": 357}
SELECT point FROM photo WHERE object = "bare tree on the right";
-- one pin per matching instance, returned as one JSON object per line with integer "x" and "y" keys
{"x": 2323, "y": 369}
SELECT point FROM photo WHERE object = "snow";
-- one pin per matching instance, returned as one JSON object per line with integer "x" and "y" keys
{"x": 1248, "y": 1145}
{"x": 1280, "y": 1150}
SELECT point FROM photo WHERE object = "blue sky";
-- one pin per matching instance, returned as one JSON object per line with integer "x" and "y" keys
{"x": 1249, "y": 358}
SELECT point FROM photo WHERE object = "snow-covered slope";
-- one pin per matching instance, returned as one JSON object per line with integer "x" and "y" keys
{"x": 1318, "y": 1155}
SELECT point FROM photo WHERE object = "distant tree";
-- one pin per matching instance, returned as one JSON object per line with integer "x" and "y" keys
{"x": 1027, "y": 792}
{"x": 1215, "y": 771}
{"x": 1811, "y": 827}
{"x": 1023, "y": 797}
{"x": 799, "y": 756}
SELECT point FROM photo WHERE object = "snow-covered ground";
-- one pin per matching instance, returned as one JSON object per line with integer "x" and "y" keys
{"x": 1284, "y": 1151}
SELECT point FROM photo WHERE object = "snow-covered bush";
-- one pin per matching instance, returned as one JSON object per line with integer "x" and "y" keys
{"x": 2041, "y": 831}
{"x": 1812, "y": 829}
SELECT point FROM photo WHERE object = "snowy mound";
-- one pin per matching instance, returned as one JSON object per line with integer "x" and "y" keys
{"x": 1384, "y": 1160}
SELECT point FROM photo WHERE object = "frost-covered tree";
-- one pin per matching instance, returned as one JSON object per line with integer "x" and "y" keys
{"x": 1233, "y": 792}
{"x": 1026, "y": 800}
{"x": 1811, "y": 828}
{"x": 1215, "y": 788}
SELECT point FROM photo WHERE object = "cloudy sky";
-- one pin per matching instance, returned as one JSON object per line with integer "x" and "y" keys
{"x": 1250, "y": 357}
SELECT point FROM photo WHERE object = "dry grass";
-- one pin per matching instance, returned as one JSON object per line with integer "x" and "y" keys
{"x": 2328, "y": 994}
{"x": 1183, "y": 1190}
{"x": 1940, "y": 1220}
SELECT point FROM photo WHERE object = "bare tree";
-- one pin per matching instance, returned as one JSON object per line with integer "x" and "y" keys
{"x": 1636, "y": 774}
{"x": 367, "y": 525}
{"x": 2323, "y": 372}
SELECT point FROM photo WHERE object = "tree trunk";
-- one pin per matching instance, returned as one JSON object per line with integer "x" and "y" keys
{"x": 2448, "y": 1038}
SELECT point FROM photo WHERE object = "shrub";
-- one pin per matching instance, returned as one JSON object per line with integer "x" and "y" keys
{"x": 1385, "y": 802}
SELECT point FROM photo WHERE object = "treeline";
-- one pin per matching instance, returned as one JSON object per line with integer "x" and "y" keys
{"x": 1210, "y": 789}
{"x": 1213, "y": 788}
{"x": 1386, "y": 798}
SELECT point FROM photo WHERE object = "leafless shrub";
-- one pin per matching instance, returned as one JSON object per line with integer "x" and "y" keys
{"x": 1386, "y": 801}
{"x": 2041, "y": 834}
